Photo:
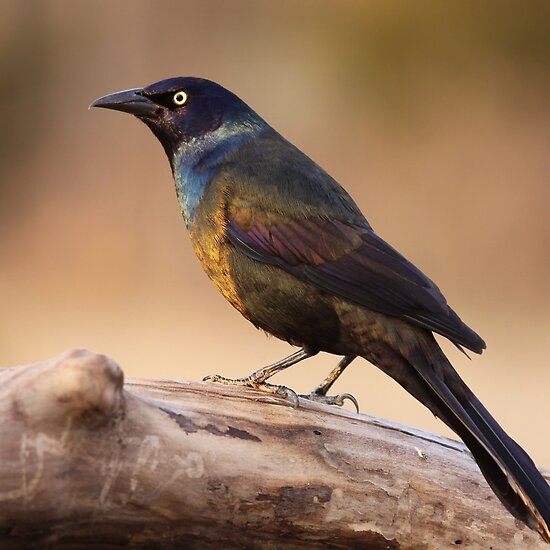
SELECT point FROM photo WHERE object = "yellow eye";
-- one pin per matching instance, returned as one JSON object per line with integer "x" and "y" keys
{"x": 180, "y": 98}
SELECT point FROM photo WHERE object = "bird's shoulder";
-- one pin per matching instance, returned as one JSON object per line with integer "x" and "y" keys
{"x": 268, "y": 177}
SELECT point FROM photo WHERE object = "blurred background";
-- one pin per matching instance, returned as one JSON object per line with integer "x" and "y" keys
{"x": 434, "y": 115}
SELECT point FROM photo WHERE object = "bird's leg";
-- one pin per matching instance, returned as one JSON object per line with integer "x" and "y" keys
{"x": 257, "y": 380}
{"x": 319, "y": 393}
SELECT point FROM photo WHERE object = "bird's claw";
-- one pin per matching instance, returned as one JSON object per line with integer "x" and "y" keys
{"x": 332, "y": 399}
{"x": 256, "y": 384}
{"x": 218, "y": 379}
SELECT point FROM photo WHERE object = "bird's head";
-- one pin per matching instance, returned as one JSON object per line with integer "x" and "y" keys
{"x": 180, "y": 109}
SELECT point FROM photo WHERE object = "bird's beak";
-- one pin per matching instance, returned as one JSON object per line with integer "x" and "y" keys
{"x": 129, "y": 101}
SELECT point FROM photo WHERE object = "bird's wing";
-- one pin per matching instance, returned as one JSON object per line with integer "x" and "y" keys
{"x": 352, "y": 262}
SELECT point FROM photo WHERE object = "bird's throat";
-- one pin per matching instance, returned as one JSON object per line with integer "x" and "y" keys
{"x": 195, "y": 161}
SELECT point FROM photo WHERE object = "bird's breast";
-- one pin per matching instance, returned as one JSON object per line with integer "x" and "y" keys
{"x": 208, "y": 236}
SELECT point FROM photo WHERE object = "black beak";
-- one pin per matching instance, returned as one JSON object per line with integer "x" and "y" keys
{"x": 129, "y": 101}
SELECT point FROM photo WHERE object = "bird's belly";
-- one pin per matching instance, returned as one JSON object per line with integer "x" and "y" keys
{"x": 270, "y": 298}
{"x": 267, "y": 296}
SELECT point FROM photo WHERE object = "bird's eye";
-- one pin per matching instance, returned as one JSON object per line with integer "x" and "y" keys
{"x": 179, "y": 98}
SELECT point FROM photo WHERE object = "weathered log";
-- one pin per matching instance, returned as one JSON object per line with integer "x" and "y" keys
{"x": 85, "y": 462}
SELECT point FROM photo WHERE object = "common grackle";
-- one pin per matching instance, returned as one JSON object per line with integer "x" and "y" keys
{"x": 289, "y": 248}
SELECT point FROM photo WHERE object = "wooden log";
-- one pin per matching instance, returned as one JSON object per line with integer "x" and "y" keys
{"x": 88, "y": 462}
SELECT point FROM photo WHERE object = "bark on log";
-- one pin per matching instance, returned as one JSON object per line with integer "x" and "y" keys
{"x": 85, "y": 462}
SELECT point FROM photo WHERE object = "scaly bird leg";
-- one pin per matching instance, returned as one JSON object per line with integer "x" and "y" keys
{"x": 319, "y": 393}
{"x": 257, "y": 380}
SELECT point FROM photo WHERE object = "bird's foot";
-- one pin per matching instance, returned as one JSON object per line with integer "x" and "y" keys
{"x": 338, "y": 400}
{"x": 258, "y": 379}
{"x": 319, "y": 393}
{"x": 256, "y": 383}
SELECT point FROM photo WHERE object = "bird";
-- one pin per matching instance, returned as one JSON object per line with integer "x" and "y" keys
{"x": 289, "y": 248}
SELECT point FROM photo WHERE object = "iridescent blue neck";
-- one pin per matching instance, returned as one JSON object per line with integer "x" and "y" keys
{"x": 196, "y": 160}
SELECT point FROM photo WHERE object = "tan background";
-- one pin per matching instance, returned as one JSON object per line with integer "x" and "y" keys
{"x": 434, "y": 115}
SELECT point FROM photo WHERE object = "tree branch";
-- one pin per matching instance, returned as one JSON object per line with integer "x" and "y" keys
{"x": 84, "y": 461}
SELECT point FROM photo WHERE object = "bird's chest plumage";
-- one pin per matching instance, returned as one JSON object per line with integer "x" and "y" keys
{"x": 209, "y": 239}
{"x": 203, "y": 196}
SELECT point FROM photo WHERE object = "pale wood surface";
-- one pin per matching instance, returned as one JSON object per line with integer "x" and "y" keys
{"x": 88, "y": 462}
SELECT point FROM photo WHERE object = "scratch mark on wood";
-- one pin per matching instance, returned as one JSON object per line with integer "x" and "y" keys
{"x": 36, "y": 446}
{"x": 148, "y": 454}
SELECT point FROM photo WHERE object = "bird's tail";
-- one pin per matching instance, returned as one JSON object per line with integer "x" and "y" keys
{"x": 428, "y": 375}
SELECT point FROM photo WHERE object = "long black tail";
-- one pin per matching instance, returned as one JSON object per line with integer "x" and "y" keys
{"x": 429, "y": 376}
